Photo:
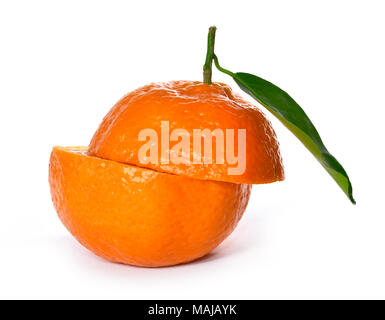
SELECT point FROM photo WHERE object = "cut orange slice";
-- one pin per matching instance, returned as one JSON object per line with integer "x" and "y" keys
{"x": 185, "y": 107}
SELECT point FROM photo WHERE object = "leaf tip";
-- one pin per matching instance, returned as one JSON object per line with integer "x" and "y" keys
{"x": 351, "y": 198}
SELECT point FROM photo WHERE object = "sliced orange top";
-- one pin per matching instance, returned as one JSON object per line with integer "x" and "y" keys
{"x": 186, "y": 106}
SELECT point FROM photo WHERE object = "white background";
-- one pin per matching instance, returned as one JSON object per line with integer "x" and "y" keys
{"x": 63, "y": 64}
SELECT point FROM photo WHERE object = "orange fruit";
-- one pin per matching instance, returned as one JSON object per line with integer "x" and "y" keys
{"x": 190, "y": 105}
{"x": 158, "y": 214}
{"x": 138, "y": 216}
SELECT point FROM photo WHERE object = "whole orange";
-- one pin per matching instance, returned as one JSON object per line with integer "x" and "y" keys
{"x": 163, "y": 214}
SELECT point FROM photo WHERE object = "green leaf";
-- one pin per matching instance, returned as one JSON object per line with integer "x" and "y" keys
{"x": 280, "y": 104}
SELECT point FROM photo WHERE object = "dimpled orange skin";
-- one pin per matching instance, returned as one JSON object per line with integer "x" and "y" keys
{"x": 138, "y": 216}
{"x": 190, "y": 105}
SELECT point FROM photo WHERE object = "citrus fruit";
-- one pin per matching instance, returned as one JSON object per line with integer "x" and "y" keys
{"x": 138, "y": 216}
{"x": 168, "y": 173}
{"x": 164, "y": 214}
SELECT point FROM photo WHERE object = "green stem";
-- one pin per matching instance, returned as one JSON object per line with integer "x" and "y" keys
{"x": 207, "y": 68}
{"x": 220, "y": 68}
